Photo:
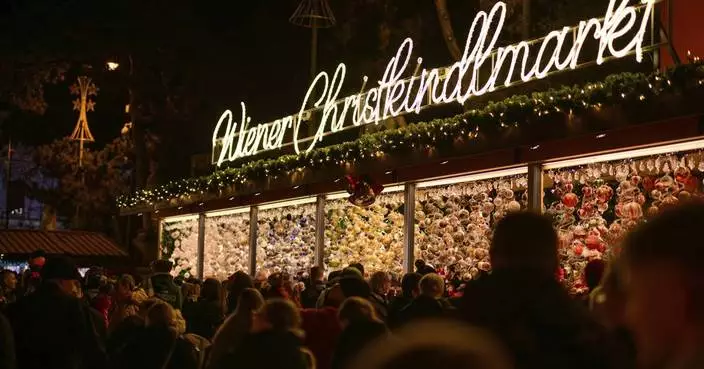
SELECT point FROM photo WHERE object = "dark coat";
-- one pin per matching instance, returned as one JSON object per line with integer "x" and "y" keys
{"x": 423, "y": 308}
{"x": 395, "y": 308}
{"x": 353, "y": 340}
{"x": 381, "y": 305}
{"x": 203, "y": 318}
{"x": 270, "y": 349}
{"x": 538, "y": 322}
{"x": 162, "y": 286}
{"x": 310, "y": 295}
{"x": 152, "y": 347}
{"x": 54, "y": 330}
{"x": 7, "y": 345}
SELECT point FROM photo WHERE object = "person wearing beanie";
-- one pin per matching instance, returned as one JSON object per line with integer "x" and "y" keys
{"x": 52, "y": 326}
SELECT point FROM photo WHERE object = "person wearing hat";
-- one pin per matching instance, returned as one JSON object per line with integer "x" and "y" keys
{"x": 52, "y": 327}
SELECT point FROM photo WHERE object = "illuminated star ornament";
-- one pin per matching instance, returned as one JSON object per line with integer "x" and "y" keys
{"x": 84, "y": 88}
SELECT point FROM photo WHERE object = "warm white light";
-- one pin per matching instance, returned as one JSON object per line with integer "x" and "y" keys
{"x": 226, "y": 212}
{"x": 112, "y": 65}
{"x": 633, "y": 153}
{"x": 395, "y": 95}
{"x": 472, "y": 177}
{"x": 283, "y": 204}
{"x": 181, "y": 218}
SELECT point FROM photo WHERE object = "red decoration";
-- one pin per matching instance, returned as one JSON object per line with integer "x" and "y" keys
{"x": 593, "y": 242}
{"x": 363, "y": 190}
{"x": 570, "y": 199}
{"x": 648, "y": 184}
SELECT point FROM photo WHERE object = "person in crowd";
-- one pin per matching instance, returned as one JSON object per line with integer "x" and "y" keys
{"x": 321, "y": 325}
{"x": 127, "y": 300}
{"x": 260, "y": 280}
{"x": 333, "y": 279}
{"x": 361, "y": 326}
{"x": 314, "y": 287}
{"x": 102, "y": 302}
{"x": 239, "y": 282}
{"x": 435, "y": 344}
{"x": 359, "y": 267}
{"x": 608, "y": 308}
{"x": 190, "y": 292}
{"x": 159, "y": 345}
{"x": 276, "y": 339}
{"x": 31, "y": 278}
{"x": 52, "y": 327}
{"x": 207, "y": 314}
{"x": 380, "y": 284}
{"x": 410, "y": 290}
{"x": 7, "y": 345}
{"x": 8, "y": 288}
{"x": 430, "y": 303}
{"x": 422, "y": 268}
{"x": 231, "y": 334}
{"x": 525, "y": 306}
{"x": 593, "y": 273}
{"x": 161, "y": 284}
{"x": 130, "y": 327}
{"x": 665, "y": 288}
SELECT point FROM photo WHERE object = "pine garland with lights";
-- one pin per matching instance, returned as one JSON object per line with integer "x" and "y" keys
{"x": 573, "y": 100}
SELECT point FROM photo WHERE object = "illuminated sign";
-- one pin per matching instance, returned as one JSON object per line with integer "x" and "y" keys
{"x": 483, "y": 68}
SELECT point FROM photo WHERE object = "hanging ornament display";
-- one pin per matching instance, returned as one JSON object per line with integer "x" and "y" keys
{"x": 179, "y": 244}
{"x": 454, "y": 223}
{"x": 371, "y": 235}
{"x": 593, "y": 207}
{"x": 286, "y": 239}
{"x": 226, "y": 245}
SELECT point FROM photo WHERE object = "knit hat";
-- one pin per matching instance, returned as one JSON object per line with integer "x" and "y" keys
{"x": 60, "y": 267}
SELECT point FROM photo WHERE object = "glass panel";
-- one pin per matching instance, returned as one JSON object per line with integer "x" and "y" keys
{"x": 372, "y": 236}
{"x": 179, "y": 243}
{"x": 226, "y": 245}
{"x": 453, "y": 224}
{"x": 594, "y": 206}
{"x": 286, "y": 239}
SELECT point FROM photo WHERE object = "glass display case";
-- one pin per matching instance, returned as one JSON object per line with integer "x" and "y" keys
{"x": 370, "y": 235}
{"x": 179, "y": 244}
{"x": 286, "y": 238}
{"x": 226, "y": 244}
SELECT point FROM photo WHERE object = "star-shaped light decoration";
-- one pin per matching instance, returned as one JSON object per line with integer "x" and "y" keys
{"x": 77, "y": 104}
{"x": 90, "y": 105}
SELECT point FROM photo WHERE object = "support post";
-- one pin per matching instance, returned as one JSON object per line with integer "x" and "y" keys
{"x": 535, "y": 187}
{"x": 160, "y": 237}
{"x": 253, "y": 229}
{"x": 320, "y": 231}
{"x": 409, "y": 223}
{"x": 201, "y": 244}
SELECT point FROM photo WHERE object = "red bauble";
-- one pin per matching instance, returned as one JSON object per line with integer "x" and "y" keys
{"x": 691, "y": 184}
{"x": 604, "y": 193}
{"x": 632, "y": 210}
{"x": 570, "y": 199}
{"x": 578, "y": 250}
{"x": 682, "y": 174}
{"x": 593, "y": 242}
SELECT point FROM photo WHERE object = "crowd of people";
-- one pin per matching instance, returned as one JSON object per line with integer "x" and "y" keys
{"x": 645, "y": 311}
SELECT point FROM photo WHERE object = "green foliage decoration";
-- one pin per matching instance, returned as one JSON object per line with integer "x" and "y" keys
{"x": 615, "y": 90}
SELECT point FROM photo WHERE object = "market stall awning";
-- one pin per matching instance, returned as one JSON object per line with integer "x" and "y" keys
{"x": 74, "y": 243}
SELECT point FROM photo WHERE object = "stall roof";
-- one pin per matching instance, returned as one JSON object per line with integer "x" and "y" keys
{"x": 74, "y": 243}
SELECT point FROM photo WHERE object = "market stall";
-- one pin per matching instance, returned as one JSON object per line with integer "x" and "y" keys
{"x": 596, "y": 156}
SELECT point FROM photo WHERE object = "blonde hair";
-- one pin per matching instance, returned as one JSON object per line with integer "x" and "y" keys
{"x": 377, "y": 280}
{"x": 160, "y": 314}
{"x": 432, "y": 285}
{"x": 357, "y": 309}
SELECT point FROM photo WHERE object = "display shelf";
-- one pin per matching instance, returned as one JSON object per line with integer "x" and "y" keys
{"x": 453, "y": 223}
{"x": 286, "y": 239}
{"x": 179, "y": 244}
{"x": 226, "y": 248}
{"x": 370, "y": 235}
{"x": 595, "y": 205}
